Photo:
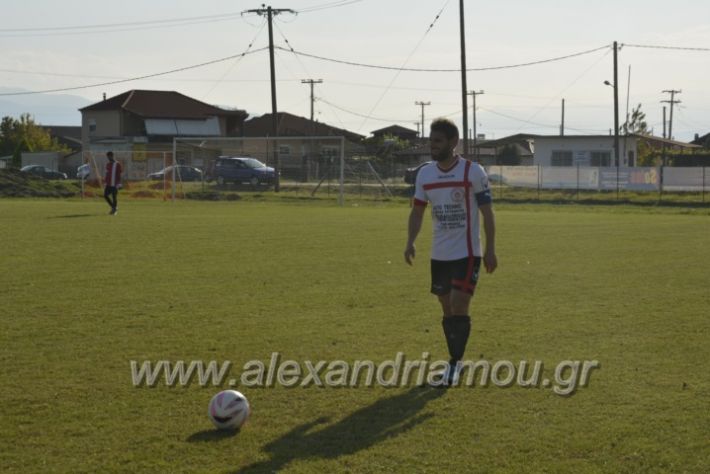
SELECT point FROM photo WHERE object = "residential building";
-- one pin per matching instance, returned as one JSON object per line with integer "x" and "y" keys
{"x": 396, "y": 131}
{"x": 300, "y": 156}
{"x": 139, "y": 125}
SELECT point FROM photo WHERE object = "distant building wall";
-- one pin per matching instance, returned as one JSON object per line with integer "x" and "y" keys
{"x": 49, "y": 159}
{"x": 583, "y": 151}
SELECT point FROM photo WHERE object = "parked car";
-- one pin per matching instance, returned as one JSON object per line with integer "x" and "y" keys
{"x": 83, "y": 171}
{"x": 410, "y": 175}
{"x": 497, "y": 179}
{"x": 43, "y": 172}
{"x": 237, "y": 169}
{"x": 182, "y": 173}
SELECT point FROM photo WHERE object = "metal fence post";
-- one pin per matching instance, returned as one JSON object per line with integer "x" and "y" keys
{"x": 500, "y": 185}
{"x": 577, "y": 181}
{"x": 703, "y": 185}
{"x": 539, "y": 181}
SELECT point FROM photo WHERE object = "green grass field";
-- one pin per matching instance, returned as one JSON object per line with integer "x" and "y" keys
{"x": 84, "y": 293}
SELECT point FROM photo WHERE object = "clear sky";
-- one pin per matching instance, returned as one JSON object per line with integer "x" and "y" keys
{"x": 382, "y": 32}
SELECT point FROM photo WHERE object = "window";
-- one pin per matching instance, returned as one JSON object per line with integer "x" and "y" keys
{"x": 561, "y": 158}
{"x": 600, "y": 158}
{"x": 329, "y": 151}
{"x": 92, "y": 126}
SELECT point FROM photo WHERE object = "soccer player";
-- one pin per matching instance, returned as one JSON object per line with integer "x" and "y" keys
{"x": 458, "y": 191}
{"x": 112, "y": 182}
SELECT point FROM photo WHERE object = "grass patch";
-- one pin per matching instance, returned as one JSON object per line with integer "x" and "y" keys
{"x": 84, "y": 293}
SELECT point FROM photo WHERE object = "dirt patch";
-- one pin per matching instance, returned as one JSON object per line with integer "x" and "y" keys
{"x": 143, "y": 194}
{"x": 213, "y": 196}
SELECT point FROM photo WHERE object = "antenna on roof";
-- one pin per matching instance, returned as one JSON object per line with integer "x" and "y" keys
{"x": 104, "y": 96}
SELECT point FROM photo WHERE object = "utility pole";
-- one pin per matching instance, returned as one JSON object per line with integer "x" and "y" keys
{"x": 672, "y": 102}
{"x": 626, "y": 122}
{"x": 616, "y": 106}
{"x": 475, "y": 133}
{"x": 562, "y": 126}
{"x": 422, "y": 104}
{"x": 663, "y": 158}
{"x": 270, "y": 13}
{"x": 312, "y": 82}
{"x": 418, "y": 132}
{"x": 464, "y": 94}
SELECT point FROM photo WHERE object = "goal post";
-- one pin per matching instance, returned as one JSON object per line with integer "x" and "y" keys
{"x": 300, "y": 161}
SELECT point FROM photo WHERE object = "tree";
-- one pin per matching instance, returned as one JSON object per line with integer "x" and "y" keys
{"x": 24, "y": 134}
{"x": 636, "y": 123}
{"x": 509, "y": 155}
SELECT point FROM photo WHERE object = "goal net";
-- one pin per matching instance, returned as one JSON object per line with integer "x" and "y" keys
{"x": 297, "y": 163}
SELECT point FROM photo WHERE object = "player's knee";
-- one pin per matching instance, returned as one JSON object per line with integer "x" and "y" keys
{"x": 445, "y": 305}
{"x": 459, "y": 302}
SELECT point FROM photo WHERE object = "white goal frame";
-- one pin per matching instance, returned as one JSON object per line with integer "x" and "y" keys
{"x": 341, "y": 192}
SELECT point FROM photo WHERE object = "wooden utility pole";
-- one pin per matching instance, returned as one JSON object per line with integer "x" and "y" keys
{"x": 464, "y": 91}
{"x": 663, "y": 157}
{"x": 616, "y": 107}
{"x": 270, "y": 13}
{"x": 312, "y": 82}
{"x": 475, "y": 133}
{"x": 672, "y": 102}
{"x": 422, "y": 104}
{"x": 562, "y": 125}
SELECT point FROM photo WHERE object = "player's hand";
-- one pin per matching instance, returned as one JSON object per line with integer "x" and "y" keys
{"x": 490, "y": 261}
{"x": 119, "y": 186}
{"x": 409, "y": 254}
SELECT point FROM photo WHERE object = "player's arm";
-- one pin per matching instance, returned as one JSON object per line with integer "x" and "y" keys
{"x": 415, "y": 217}
{"x": 484, "y": 199}
{"x": 490, "y": 261}
{"x": 415, "y": 224}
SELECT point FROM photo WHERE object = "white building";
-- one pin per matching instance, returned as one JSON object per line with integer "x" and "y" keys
{"x": 584, "y": 150}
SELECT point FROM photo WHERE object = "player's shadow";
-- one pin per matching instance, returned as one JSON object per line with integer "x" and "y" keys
{"x": 71, "y": 216}
{"x": 363, "y": 428}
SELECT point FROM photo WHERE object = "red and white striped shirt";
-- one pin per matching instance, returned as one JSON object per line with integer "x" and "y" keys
{"x": 113, "y": 173}
{"x": 455, "y": 195}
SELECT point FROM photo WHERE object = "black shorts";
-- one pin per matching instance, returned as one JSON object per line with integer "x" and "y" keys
{"x": 459, "y": 274}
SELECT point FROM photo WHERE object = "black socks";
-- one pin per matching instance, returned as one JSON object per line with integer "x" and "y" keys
{"x": 456, "y": 331}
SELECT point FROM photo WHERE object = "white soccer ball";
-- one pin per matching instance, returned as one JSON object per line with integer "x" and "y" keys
{"x": 228, "y": 409}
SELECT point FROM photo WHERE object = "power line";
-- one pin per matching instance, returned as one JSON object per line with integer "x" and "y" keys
{"x": 90, "y": 76}
{"x": 234, "y": 64}
{"x": 584, "y": 73}
{"x": 529, "y": 122}
{"x": 303, "y": 66}
{"x": 479, "y": 69}
{"x": 113, "y": 27}
{"x": 677, "y": 48}
{"x": 148, "y": 76}
{"x": 356, "y": 114}
{"x": 399, "y": 71}
{"x": 325, "y": 6}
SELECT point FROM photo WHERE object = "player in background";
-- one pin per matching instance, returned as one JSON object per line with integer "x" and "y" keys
{"x": 112, "y": 182}
{"x": 458, "y": 191}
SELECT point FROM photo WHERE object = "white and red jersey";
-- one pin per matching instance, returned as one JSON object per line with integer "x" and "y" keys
{"x": 113, "y": 173}
{"x": 455, "y": 195}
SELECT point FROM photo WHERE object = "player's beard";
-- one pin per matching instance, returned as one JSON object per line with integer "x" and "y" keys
{"x": 441, "y": 156}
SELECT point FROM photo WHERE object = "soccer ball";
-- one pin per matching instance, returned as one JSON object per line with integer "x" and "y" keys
{"x": 228, "y": 409}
